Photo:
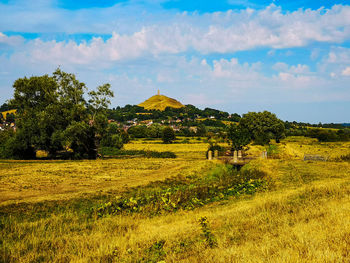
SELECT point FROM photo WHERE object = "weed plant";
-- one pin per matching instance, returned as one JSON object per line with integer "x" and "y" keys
{"x": 186, "y": 193}
{"x": 207, "y": 233}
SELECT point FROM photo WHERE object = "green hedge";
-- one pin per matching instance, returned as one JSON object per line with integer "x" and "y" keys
{"x": 110, "y": 151}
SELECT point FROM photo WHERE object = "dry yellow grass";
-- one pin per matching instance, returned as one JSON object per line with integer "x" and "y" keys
{"x": 160, "y": 102}
{"x": 24, "y": 181}
{"x": 4, "y": 113}
{"x": 305, "y": 217}
{"x": 192, "y": 151}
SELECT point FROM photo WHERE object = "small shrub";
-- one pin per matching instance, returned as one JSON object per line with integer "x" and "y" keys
{"x": 186, "y": 140}
{"x": 112, "y": 151}
{"x": 206, "y": 232}
{"x": 153, "y": 154}
{"x": 168, "y": 135}
{"x": 273, "y": 151}
{"x": 155, "y": 253}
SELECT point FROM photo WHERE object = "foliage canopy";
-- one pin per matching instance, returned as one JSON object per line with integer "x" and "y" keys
{"x": 262, "y": 126}
{"x": 53, "y": 115}
{"x": 168, "y": 135}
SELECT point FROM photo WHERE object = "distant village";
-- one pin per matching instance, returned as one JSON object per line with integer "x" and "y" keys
{"x": 125, "y": 118}
{"x": 158, "y": 110}
{"x": 7, "y": 120}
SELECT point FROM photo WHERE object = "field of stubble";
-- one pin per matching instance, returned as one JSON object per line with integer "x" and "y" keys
{"x": 303, "y": 215}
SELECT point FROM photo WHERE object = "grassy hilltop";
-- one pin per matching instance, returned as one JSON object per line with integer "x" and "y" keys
{"x": 160, "y": 102}
{"x": 299, "y": 212}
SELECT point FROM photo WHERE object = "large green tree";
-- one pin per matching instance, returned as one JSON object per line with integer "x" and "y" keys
{"x": 263, "y": 126}
{"x": 238, "y": 136}
{"x": 53, "y": 115}
{"x": 154, "y": 131}
{"x": 168, "y": 135}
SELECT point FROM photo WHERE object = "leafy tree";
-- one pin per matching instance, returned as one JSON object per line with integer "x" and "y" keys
{"x": 139, "y": 131}
{"x": 235, "y": 117}
{"x": 263, "y": 126}
{"x": 125, "y": 136}
{"x": 187, "y": 132}
{"x": 80, "y": 138}
{"x": 52, "y": 114}
{"x": 168, "y": 135}
{"x": 18, "y": 147}
{"x": 34, "y": 99}
{"x": 238, "y": 137}
{"x": 115, "y": 141}
{"x": 154, "y": 131}
{"x": 98, "y": 105}
{"x": 4, "y": 107}
{"x": 113, "y": 137}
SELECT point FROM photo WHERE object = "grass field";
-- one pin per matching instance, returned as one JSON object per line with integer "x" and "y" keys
{"x": 31, "y": 181}
{"x": 302, "y": 216}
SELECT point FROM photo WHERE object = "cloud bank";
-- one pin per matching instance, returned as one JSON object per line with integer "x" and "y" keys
{"x": 193, "y": 57}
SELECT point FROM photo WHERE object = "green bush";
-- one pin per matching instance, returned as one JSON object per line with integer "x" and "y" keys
{"x": 111, "y": 151}
{"x": 15, "y": 147}
{"x": 168, "y": 135}
{"x": 114, "y": 140}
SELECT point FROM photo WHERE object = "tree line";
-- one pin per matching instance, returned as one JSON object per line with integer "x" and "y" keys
{"x": 59, "y": 115}
{"x": 188, "y": 112}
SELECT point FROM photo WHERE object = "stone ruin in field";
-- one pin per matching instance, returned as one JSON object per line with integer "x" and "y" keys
{"x": 314, "y": 157}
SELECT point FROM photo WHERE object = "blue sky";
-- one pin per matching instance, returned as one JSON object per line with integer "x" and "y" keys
{"x": 288, "y": 57}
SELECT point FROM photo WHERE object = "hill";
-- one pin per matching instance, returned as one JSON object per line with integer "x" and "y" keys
{"x": 160, "y": 102}
{"x": 4, "y": 113}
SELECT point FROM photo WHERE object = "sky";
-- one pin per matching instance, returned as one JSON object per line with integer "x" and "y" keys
{"x": 288, "y": 57}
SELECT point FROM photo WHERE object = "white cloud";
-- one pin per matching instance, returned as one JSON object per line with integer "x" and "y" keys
{"x": 168, "y": 52}
{"x": 11, "y": 41}
{"x": 339, "y": 55}
{"x": 280, "y": 66}
{"x": 172, "y": 33}
{"x": 219, "y": 83}
{"x": 346, "y": 71}
{"x": 299, "y": 69}
{"x": 336, "y": 62}
{"x": 298, "y": 81}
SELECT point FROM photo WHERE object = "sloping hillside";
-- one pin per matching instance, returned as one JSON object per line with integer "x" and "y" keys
{"x": 4, "y": 113}
{"x": 160, "y": 102}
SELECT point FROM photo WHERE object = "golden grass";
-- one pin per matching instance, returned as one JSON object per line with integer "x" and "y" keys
{"x": 24, "y": 181}
{"x": 160, "y": 102}
{"x": 304, "y": 218}
{"x": 4, "y": 113}
{"x": 297, "y": 147}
